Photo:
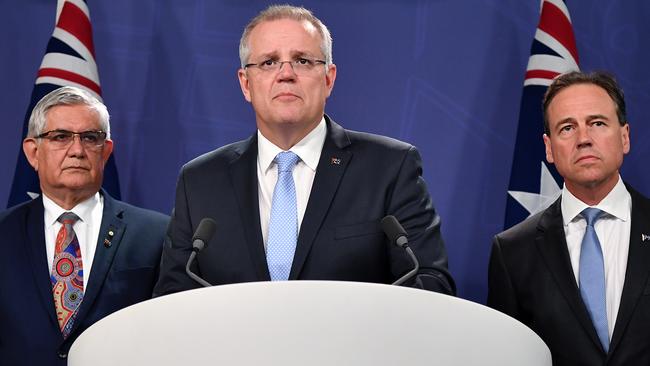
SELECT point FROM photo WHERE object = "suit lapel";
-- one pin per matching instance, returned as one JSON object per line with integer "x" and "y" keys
{"x": 638, "y": 265}
{"x": 243, "y": 173}
{"x": 35, "y": 234}
{"x": 110, "y": 236}
{"x": 331, "y": 167}
{"x": 551, "y": 242}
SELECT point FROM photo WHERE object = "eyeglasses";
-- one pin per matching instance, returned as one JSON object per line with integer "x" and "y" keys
{"x": 301, "y": 66}
{"x": 61, "y": 139}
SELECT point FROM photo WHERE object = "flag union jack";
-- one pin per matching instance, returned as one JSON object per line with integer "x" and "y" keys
{"x": 70, "y": 55}
{"x": 533, "y": 185}
{"x": 554, "y": 49}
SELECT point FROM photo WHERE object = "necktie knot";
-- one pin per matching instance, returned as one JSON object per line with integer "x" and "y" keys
{"x": 286, "y": 160}
{"x": 68, "y": 218}
{"x": 592, "y": 215}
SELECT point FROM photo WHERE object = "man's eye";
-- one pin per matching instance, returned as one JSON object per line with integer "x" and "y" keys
{"x": 598, "y": 123}
{"x": 60, "y": 137}
{"x": 90, "y": 137}
{"x": 267, "y": 63}
{"x": 303, "y": 61}
{"x": 565, "y": 129}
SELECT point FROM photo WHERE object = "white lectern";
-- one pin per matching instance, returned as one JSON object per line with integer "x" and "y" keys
{"x": 308, "y": 323}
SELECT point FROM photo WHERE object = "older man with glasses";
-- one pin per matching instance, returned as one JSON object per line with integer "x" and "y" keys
{"x": 302, "y": 198}
{"x": 73, "y": 255}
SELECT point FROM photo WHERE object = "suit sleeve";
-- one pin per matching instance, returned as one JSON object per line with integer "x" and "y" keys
{"x": 411, "y": 204}
{"x": 177, "y": 248}
{"x": 501, "y": 294}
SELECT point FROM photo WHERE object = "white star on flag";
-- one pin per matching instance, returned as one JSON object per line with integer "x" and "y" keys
{"x": 549, "y": 191}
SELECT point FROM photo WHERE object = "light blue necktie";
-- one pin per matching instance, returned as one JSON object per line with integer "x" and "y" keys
{"x": 283, "y": 225}
{"x": 592, "y": 277}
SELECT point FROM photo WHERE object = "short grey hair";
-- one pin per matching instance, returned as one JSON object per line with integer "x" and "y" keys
{"x": 67, "y": 95}
{"x": 277, "y": 12}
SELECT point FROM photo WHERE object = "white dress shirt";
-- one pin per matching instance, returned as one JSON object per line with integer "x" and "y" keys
{"x": 86, "y": 229}
{"x": 309, "y": 150}
{"x": 613, "y": 231}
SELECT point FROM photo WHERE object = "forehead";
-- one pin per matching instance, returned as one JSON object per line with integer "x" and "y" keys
{"x": 581, "y": 100}
{"x": 76, "y": 117}
{"x": 284, "y": 35}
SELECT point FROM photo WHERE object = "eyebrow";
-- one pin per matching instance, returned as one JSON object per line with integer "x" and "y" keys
{"x": 294, "y": 54}
{"x": 597, "y": 116}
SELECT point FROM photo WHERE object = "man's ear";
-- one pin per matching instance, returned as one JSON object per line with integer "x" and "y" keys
{"x": 30, "y": 148}
{"x": 548, "y": 148}
{"x": 330, "y": 77}
{"x": 244, "y": 84}
{"x": 107, "y": 150}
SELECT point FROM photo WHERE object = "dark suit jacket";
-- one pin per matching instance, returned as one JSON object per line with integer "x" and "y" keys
{"x": 124, "y": 271}
{"x": 532, "y": 280}
{"x": 360, "y": 178}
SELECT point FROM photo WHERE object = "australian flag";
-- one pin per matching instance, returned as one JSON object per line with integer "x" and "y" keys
{"x": 533, "y": 183}
{"x": 69, "y": 61}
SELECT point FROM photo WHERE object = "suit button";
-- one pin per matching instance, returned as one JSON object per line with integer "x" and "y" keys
{"x": 63, "y": 355}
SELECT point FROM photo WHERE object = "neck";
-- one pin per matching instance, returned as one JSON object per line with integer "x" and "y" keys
{"x": 286, "y": 135}
{"x": 594, "y": 193}
{"x": 67, "y": 200}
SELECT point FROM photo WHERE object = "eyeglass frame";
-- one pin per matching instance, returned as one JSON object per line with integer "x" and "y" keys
{"x": 291, "y": 63}
{"x": 101, "y": 134}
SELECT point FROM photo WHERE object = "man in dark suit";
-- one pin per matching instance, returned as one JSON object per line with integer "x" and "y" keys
{"x": 577, "y": 272}
{"x": 73, "y": 255}
{"x": 321, "y": 221}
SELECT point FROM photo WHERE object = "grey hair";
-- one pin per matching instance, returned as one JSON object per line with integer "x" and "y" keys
{"x": 277, "y": 12}
{"x": 67, "y": 95}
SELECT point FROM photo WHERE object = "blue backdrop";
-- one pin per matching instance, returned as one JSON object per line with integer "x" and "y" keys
{"x": 446, "y": 76}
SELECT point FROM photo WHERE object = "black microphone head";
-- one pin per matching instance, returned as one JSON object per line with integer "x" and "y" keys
{"x": 205, "y": 230}
{"x": 393, "y": 230}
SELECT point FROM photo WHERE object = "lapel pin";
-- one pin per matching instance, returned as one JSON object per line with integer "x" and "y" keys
{"x": 645, "y": 237}
{"x": 109, "y": 236}
{"x": 335, "y": 161}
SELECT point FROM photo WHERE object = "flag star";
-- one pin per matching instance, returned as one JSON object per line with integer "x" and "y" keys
{"x": 535, "y": 202}
{"x": 33, "y": 195}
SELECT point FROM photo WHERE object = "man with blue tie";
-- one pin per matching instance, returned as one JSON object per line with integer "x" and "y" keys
{"x": 74, "y": 254}
{"x": 577, "y": 273}
{"x": 302, "y": 198}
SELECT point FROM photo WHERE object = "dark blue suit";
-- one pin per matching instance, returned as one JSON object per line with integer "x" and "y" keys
{"x": 124, "y": 271}
{"x": 360, "y": 178}
{"x": 531, "y": 279}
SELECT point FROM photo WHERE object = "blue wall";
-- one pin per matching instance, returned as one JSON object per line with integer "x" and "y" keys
{"x": 444, "y": 75}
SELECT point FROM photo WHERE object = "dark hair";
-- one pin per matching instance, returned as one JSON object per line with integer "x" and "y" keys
{"x": 598, "y": 78}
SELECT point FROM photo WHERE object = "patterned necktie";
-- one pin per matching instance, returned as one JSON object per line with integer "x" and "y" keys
{"x": 592, "y": 277}
{"x": 283, "y": 225}
{"x": 67, "y": 274}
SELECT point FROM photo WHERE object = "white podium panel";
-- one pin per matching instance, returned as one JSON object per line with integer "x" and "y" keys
{"x": 308, "y": 323}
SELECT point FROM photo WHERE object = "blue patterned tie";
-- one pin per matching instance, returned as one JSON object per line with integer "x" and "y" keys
{"x": 592, "y": 277}
{"x": 283, "y": 225}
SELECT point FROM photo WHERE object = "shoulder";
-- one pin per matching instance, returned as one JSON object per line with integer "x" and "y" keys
{"x": 365, "y": 142}
{"x": 142, "y": 216}
{"x": 12, "y": 216}
{"x": 638, "y": 199}
{"x": 523, "y": 232}
{"x": 378, "y": 142}
{"x": 221, "y": 156}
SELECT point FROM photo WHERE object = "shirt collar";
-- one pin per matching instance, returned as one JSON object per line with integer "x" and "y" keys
{"x": 308, "y": 149}
{"x": 83, "y": 209}
{"x": 617, "y": 203}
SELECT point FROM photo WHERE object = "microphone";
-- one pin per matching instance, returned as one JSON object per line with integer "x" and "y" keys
{"x": 204, "y": 232}
{"x": 397, "y": 235}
